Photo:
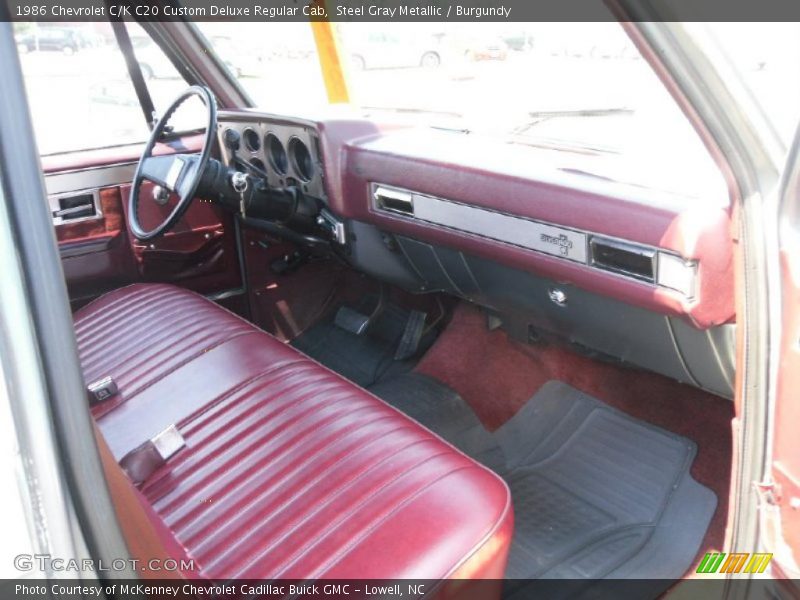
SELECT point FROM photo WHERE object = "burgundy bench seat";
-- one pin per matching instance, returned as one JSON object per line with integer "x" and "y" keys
{"x": 287, "y": 470}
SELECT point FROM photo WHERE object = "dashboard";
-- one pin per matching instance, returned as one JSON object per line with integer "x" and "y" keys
{"x": 623, "y": 272}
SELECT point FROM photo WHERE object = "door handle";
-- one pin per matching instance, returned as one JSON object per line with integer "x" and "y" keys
{"x": 75, "y": 206}
{"x": 73, "y": 212}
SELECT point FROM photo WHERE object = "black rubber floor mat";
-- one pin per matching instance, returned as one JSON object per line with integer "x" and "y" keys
{"x": 364, "y": 359}
{"x": 441, "y": 409}
{"x": 597, "y": 494}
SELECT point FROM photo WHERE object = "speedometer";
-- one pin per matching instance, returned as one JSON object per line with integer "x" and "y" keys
{"x": 276, "y": 154}
{"x": 301, "y": 159}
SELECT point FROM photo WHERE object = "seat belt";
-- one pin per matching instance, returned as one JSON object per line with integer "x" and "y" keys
{"x": 144, "y": 460}
{"x": 135, "y": 72}
{"x": 137, "y": 520}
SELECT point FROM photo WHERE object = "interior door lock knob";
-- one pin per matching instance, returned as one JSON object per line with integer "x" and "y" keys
{"x": 558, "y": 296}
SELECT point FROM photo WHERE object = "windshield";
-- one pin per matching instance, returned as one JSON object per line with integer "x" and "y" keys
{"x": 580, "y": 88}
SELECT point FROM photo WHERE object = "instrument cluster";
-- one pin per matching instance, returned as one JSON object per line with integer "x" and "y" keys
{"x": 284, "y": 152}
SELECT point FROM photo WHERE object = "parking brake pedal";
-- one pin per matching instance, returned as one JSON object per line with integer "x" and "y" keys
{"x": 409, "y": 343}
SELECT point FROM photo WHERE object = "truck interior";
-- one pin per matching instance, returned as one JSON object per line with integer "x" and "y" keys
{"x": 341, "y": 345}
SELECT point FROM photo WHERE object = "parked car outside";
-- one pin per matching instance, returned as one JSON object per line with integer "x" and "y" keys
{"x": 387, "y": 50}
{"x": 518, "y": 40}
{"x": 241, "y": 59}
{"x": 54, "y": 39}
{"x": 488, "y": 49}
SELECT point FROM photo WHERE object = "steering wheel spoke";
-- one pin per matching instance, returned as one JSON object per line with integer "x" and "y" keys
{"x": 178, "y": 173}
{"x": 161, "y": 170}
{"x": 189, "y": 172}
{"x": 174, "y": 172}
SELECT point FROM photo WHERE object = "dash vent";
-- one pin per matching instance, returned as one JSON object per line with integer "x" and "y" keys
{"x": 623, "y": 258}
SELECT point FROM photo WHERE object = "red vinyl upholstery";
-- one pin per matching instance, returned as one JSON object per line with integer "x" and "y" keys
{"x": 289, "y": 471}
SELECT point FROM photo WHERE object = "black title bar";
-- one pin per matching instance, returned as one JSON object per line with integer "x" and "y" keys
{"x": 509, "y": 11}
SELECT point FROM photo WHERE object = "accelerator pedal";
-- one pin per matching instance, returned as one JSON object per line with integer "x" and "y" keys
{"x": 409, "y": 343}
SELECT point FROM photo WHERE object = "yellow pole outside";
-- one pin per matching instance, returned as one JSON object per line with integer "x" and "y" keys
{"x": 334, "y": 72}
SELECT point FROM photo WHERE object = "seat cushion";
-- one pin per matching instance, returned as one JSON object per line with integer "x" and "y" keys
{"x": 142, "y": 333}
{"x": 289, "y": 470}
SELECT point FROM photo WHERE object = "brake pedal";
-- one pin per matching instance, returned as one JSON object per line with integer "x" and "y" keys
{"x": 351, "y": 320}
{"x": 409, "y": 343}
{"x": 356, "y": 322}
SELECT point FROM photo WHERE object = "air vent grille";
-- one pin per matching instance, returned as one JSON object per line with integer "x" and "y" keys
{"x": 623, "y": 258}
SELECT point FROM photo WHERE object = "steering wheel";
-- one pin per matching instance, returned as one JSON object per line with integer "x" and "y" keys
{"x": 178, "y": 173}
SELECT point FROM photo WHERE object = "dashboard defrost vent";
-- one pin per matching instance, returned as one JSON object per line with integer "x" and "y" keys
{"x": 623, "y": 258}
{"x": 393, "y": 200}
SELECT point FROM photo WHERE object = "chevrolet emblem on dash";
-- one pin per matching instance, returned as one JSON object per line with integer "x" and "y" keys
{"x": 562, "y": 241}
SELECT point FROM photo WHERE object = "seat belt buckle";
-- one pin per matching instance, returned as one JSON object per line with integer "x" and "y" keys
{"x": 144, "y": 460}
{"x": 168, "y": 442}
{"x": 101, "y": 390}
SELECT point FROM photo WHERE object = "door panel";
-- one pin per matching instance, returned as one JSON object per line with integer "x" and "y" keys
{"x": 79, "y": 162}
{"x": 95, "y": 252}
{"x": 781, "y": 510}
{"x": 98, "y": 251}
{"x": 786, "y": 455}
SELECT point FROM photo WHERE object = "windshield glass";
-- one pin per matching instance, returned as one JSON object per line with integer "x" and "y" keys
{"x": 581, "y": 88}
{"x": 276, "y": 63}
